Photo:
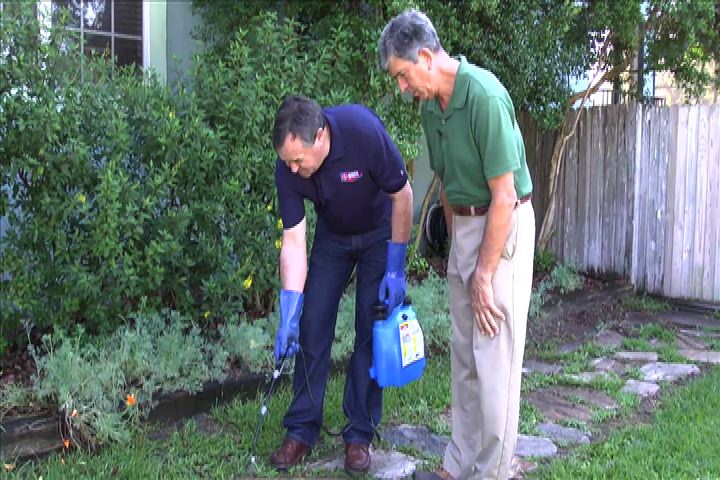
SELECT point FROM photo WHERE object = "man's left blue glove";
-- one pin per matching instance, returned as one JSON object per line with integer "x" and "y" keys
{"x": 392, "y": 287}
{"x": 288, "y": 333}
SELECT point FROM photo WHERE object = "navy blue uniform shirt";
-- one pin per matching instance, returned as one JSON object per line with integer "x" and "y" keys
{"x": 350, "y": 188}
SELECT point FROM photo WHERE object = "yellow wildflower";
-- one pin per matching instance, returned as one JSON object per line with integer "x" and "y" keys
{"x": 248, "y": 282}
{"x": 269, "y": 207}
{"x": 81, "y": 198}
{"x": 278, "y": 244}
{"x": 206, "y": 314}
{"x": 280, "y": 224}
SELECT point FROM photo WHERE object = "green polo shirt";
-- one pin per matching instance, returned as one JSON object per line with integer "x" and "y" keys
{"x": 477, "y": 137}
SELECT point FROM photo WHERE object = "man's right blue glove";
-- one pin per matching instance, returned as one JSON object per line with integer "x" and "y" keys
{"x": 288, "y": 334}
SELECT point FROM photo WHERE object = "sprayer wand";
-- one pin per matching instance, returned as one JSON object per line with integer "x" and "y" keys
{"x": 263, "y": 408}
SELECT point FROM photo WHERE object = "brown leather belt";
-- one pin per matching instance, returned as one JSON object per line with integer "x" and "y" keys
{"x": 479, "y": 211}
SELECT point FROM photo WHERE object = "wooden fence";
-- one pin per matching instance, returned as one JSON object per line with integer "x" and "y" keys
{"x": 639, "y": 195}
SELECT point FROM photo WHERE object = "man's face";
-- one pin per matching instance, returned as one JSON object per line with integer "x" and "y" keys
{"x": 412, "y": 77}
{"x": 301, "y": 159}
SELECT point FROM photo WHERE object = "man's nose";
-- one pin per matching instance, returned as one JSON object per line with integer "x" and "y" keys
{"x": 402, "y": 83}
{"x": 294, "y": 167}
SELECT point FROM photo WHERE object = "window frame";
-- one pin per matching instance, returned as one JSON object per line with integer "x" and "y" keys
{"x": 44, "y": 11}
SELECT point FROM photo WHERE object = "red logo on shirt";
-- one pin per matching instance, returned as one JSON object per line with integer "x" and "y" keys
{"x": 350, "y": 177}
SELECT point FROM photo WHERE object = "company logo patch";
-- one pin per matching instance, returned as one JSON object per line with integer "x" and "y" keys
{"x": 350, "y": 177}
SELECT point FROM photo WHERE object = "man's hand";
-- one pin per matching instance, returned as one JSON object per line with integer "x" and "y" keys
{"x": 288, "y": 334}
{"x": 392, "y": 287}
{"x": 487, "y": 315}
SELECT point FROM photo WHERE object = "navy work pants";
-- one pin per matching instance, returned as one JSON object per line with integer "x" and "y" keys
{"x": 332, "y": 260}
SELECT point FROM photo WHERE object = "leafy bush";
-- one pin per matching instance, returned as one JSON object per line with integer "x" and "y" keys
{"x": 544, "y": 261}
{"x": 100, "y": 383}
{"x": 565, "y": 278}
{"x": 115, "y": 190}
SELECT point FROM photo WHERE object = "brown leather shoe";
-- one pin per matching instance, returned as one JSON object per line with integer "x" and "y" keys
{"x": 441, "y": 474}
{"x": 357, "y": 458}
{"x": 290, "y": 453}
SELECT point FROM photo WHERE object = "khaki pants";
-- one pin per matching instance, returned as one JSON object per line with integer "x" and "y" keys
{"x": 486, "y": 372}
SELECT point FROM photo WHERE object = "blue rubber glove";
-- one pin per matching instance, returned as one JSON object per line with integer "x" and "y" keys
{"x": 288, "y": 334}
{"x": 392, "y": 287}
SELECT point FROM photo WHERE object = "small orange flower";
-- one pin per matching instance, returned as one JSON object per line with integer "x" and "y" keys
{"x": 130, "y": 400}
{"x": 74, "y": 414}
{"x": 66, "y": 443}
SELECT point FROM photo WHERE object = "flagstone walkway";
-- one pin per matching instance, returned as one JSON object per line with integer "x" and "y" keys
{"x": 571, "y": 408}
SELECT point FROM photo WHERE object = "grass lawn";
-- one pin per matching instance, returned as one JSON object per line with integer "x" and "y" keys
{"x": 683, "y": 442}
{"x": 226, "y": 454}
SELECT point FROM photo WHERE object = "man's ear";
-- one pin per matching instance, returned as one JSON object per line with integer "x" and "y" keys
{"x": 425, "y": 56}
{"x": 320, "y": 136}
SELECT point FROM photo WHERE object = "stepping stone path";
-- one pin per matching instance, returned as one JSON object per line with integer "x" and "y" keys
{"x": 557, "y": 404}
{"x": 609, "y": 339}
{"x": 533, "y": 366}
{"x": 644, "y": 389}
{"x": 384, "y": 464}
{"x": 563, "y": 435}
{"x": 657, "y": 371}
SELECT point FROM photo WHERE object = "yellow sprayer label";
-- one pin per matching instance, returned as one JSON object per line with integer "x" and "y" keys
{"x": 412, "y": 343}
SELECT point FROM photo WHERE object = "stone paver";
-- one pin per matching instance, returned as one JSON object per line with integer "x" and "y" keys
{"x": 532, "y": 366}
{"x": 685, "y": 341}
{"x": 391, "y": 465}
{"x": 519, "y": 467}
{"x": 587, "y": 377}
{"x": 637, "y": 356}
{"x": 532, "y": 446}
{"x": 605, "y": 364}
{"x": 554, "y": 408}
{"x": 703, "y": 356}
{"x": 592, "y": 397}
{"x": 563, "y": 435}
{"x": 569, "y": 347}
{"x": 700, "y": 333}
{"x": 416, "y": 436}
{"x": 667, "y": 371}
{"x": 609, "y": 339}
{"x": 644, "y": 389}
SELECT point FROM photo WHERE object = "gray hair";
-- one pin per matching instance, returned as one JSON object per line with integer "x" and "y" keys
{"x": 405, "y": 35}
{"x": 299, "y": 116}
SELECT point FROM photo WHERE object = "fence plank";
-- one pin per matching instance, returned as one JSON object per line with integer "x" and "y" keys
{"x": 597, "y": 166}
{"x": 714, "y": 180}
{"x": 678, "y": 280}
{"x": 671, "y": 202}
{"x": 698, "y": 265}
{"x": 584, "y": 149}
{"x": 620, "y": 200}
{"x": 690, "y": 202}
{"x": 660, "y": 217}
{"x": 631, "y": 140}
{"x": 608, "y": 173}
{"x": 570, "y": 197}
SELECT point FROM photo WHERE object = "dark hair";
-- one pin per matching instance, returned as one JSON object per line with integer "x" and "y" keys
{"x": 299, "y": 116}
{"x": 405, "y": 35}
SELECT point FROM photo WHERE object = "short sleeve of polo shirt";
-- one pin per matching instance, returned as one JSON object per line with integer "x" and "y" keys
{"x": 292, "y": 206}
{"x": 495, "y": 138}
{"x": 386, "y": 164}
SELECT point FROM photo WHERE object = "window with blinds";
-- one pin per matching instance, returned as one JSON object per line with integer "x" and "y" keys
{"x": 109, "y": 27}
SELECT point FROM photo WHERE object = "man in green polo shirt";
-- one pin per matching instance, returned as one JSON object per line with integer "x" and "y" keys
{"x": 477, "y": 151}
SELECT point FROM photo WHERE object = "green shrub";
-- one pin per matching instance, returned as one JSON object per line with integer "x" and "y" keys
{"x": 88, "y": 380}
{"x": 565, "y": 279}
{"x": 117, "y": 190}
{"x": 544, "y": 261}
